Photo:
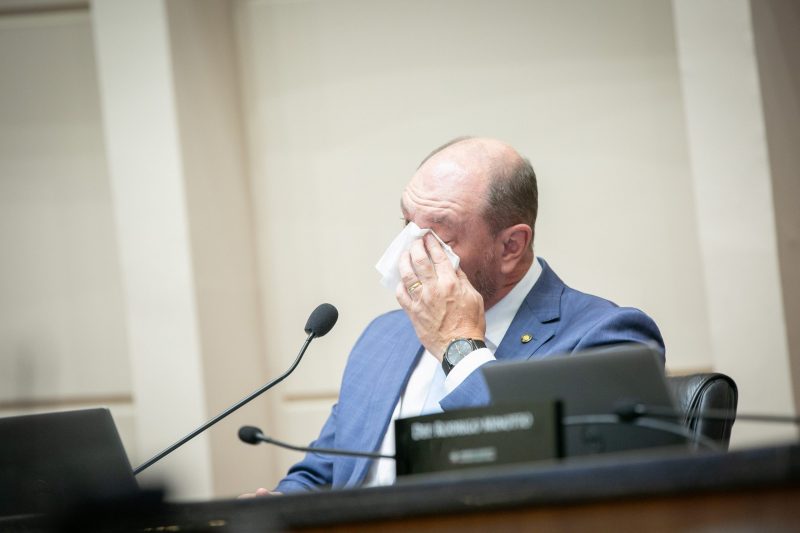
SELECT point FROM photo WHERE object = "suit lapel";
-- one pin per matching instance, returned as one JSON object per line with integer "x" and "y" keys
{"x": 536, "y": 318}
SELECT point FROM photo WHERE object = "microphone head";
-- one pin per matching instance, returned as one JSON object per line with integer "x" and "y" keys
{"x": 321, "y": 320}
{"x": 250, "y": 434}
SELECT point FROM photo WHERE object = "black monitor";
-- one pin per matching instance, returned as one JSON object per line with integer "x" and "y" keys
{"x": 594, "y": 382}
{"x": 51, "y": 460}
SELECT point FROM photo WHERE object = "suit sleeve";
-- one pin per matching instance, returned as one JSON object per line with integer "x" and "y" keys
{"x": 314, "y": 471}
{"x": 621, "y": 325}
{"x": 472, "y": 392}
{"x": 624, "y": 325}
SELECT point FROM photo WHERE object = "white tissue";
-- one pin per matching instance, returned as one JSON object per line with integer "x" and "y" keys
{"x": 387, "y": 264}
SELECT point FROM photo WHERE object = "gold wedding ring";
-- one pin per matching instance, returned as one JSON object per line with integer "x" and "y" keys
{"x": 414, "y": 286}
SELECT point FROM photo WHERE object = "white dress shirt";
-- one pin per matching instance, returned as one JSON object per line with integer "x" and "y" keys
{"x": 428, "y": 384}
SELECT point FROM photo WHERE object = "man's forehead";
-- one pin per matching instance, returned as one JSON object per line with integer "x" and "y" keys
{"x": 445, "y": 179}
{"x": 444, "y": 173}
{"x": 433, "y": 215}
{"x": 444, "y": 190}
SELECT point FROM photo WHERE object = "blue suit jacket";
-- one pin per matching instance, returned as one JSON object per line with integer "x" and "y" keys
{"x": 560, "y": 319}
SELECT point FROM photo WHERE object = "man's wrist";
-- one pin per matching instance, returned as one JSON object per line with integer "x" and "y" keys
{"x": 466, "y": 367}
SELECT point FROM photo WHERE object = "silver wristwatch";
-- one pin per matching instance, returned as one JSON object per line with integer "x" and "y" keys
{"x": 457, "y": 350}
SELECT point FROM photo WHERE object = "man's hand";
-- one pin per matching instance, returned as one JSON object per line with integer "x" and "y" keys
{"x": 440, "y": 301}
{"x": 259, "y": 493}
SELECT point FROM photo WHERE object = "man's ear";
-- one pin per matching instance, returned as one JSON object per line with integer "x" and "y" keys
{"x": 515, "y": 242}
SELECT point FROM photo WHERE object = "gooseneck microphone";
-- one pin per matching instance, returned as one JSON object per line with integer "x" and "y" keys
{"x": 253, "y": 435}
{"x": 642, "y": 421}
{"x": 320, "y": 322}
{"x": 632, "y": 411}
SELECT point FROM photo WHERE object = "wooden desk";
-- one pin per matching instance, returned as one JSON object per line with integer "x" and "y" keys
{"x": 751, "y": 490}
{"x": 756, "y": 490}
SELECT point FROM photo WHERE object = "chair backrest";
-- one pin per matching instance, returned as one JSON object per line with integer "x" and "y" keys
{"x": 696, "y": 395}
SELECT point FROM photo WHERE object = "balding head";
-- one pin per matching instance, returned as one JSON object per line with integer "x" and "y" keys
{"x": 506, "y": 179}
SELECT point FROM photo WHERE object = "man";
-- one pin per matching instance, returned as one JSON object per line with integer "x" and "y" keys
{"x": 480, "y": 197}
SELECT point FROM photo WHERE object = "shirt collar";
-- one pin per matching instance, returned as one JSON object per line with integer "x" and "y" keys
{"x": 500, "y": 316}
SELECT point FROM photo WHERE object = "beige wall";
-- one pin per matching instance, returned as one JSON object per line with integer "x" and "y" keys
{"x": 777, "y": 44}
{"x": 218, "y": 199}
{"x": 256, "y": 151}
{"x": 63, "y": 340}
{"x": 170, "y": 102}
{"x": 60, "y": 278}
{"x": 735, "y": 209}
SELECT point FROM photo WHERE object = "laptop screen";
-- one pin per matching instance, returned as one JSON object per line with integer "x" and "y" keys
{"x": 48, "y": 461}
{"x": 594, "y": 382}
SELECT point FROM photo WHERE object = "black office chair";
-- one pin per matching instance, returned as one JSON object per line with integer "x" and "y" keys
{"x": 699, "y": 394}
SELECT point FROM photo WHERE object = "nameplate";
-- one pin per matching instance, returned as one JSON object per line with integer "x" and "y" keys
{"x": 479, "y": 437}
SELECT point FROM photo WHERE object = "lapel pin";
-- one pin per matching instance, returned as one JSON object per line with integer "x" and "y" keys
{"x": 526, "y": 338}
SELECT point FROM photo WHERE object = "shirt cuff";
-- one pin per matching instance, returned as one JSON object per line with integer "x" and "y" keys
{"x": 467, "y": 366}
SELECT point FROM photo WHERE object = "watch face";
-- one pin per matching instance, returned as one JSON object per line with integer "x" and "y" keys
{"x": 458, "y": 349}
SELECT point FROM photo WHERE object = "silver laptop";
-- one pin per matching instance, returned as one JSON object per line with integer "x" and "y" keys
{"x": 49, "y": 461}
{"x": 594, "y": 382}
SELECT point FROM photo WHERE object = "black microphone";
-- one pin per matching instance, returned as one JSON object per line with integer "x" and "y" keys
{"x": 253, "y": 435}
{"x": 320, "y": 322}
